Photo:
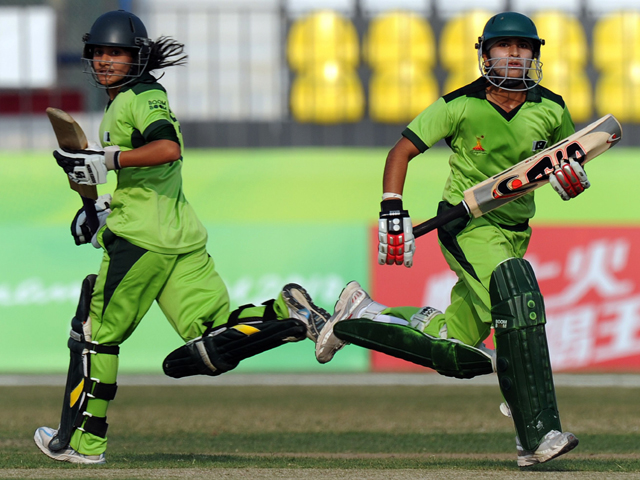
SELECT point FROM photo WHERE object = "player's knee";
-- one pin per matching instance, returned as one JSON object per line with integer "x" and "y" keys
{"x": 245, "y": 335}
{"x": 516, "y": 301}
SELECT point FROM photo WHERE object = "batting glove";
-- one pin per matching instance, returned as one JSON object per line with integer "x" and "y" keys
{"x": 80, "y": 229}
{"x": 395, "y": 235}
{"x": 569, "y": 179}
{"x": 88, "y": 167}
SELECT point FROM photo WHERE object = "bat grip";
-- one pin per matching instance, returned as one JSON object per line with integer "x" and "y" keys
{"x": 459, "y": 211}
{"x": 92, "y": 215}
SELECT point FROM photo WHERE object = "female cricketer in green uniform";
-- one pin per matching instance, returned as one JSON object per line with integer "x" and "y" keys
{"x": 491, "y": 124}
{"x": 154, "y": 247}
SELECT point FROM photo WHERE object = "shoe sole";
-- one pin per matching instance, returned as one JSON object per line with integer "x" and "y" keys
{"x": 325, "y": 356}
{"x": 64, "y": 457}
{"x": 572, "y": 442}
{"x": 288, "y": 293}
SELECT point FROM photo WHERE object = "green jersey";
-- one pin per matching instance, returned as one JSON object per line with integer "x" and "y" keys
{"x": 485, "y": 140}
{"x": 149, "y": 208}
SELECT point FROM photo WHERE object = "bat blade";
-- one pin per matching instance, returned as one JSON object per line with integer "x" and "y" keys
{"x": 531, "y": 173}
{"x": 70, "y": 136}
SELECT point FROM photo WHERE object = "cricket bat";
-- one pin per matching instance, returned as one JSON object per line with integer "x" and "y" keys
{"x": 71, "y": 136}
{"x": 531, "y": 173}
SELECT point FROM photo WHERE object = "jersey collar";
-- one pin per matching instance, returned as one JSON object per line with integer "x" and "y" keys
{"x": 477, "y": 89}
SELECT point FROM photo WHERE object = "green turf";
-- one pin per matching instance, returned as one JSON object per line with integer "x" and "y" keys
{"x": 431, "y": 427}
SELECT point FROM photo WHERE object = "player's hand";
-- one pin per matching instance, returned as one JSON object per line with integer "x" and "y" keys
{"x": 88, "y": 167}
{"x": 395, "y": 235}
{"x": 569, "y": 179}
{"x": 80, "y": 227}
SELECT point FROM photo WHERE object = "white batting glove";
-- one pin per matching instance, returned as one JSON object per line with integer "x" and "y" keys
{"x": 80, "y": 227}
{"x": 88, "y": 167}
{"x": 396, "y": 244}
{"x": 569, "y": 179}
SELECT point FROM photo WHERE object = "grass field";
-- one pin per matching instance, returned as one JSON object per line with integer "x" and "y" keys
{"x": 323, "y": 432}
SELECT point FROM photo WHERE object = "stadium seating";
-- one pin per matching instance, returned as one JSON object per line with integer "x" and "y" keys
{"x": 564, "y": 57}
{"x": 457, "y": 53}
{"x": 616, "y": 55}
{"x": 323, "y": 50}
{"x": 400, "y": 50}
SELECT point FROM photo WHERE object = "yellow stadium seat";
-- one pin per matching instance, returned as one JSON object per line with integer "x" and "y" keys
{"x": 574, "y": 86}
{"x": 320, "y": 37}
{"x": 327, "y": 93}
{"x": 458, "y": 39}
{"x": 616, "y": 41}
{"x": 398, "y": 37}
{"x": 620, "y": 94}
{"x": 564, "y": 38}
{"x": 397, "y": 96}
{"x": 457, "y": 80}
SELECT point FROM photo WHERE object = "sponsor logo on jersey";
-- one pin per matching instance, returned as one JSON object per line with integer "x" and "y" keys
{"x": 106, "y": 137}
{"x": 154, "y": 104}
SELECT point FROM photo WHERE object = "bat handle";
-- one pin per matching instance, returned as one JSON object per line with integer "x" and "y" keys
{"x": 459, "y": 211}
{"x": 92, "y": 215}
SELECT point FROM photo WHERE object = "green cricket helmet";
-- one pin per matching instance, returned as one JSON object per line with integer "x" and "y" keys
{"x": 118, "y": 29}
{"x": 510, "y": 25}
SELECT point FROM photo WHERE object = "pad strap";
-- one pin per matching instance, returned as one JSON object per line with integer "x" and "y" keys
{"x": 94, "y": 425}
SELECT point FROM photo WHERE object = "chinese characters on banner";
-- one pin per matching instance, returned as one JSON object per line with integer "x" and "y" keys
{"x": 590, "y": 279}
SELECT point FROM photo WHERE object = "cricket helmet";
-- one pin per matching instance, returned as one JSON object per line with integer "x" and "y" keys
{"x": 510, "y": 25}
{"x": 118, "y": 29}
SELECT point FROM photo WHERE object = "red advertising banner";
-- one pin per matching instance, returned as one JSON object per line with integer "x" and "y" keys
{"x": 590, "y": 279}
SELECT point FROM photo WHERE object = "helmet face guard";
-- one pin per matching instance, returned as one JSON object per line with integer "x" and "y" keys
{"x": 117, "y": 29}
{"x": 497, "y": 70}
{"x": 513, "y": 78}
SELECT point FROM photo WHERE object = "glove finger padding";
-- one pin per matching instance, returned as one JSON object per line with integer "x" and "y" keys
{"x": 395, "y": 235}
{"x": 569, "y": 179}
{"x": 84, "y": 167}
{"x": 80, "y": 229}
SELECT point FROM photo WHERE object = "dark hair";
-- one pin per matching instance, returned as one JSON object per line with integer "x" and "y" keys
{"x": 165, "y": 52}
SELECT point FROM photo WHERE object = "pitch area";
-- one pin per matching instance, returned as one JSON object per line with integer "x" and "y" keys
{"x": 323, "y": 432}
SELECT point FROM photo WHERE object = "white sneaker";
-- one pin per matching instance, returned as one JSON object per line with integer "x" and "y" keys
{"x": 553, "y": 445}
{"x": 43, "y": 436}
{"x": 352, "y": 298}
{"x": 302, "y": 308}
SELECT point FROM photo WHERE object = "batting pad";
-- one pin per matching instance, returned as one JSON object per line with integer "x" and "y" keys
{"x": 448, "y": 357}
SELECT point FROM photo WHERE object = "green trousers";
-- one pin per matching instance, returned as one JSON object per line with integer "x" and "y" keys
{"x": 187, "y": 288}
{"x": 473, "y": 249}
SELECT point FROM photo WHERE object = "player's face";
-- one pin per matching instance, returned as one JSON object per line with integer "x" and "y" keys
{"x": 111, "y": 64}
{"x": 510, "y": 57}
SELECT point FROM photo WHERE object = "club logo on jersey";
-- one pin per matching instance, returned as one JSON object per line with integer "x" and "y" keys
{"x": 478, "y": 148}
{"x": 539, "y": 145}
{"x": 517, "y": 185}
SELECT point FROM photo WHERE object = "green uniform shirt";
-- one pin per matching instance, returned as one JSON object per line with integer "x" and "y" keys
{"x": 485, "y": 140}
{"x": 149, "y": 208}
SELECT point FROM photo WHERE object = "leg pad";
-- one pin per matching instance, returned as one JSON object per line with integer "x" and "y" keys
{"x": 448, "y": 357}
{"x": 523, "y": 363}
{"x": 222, "y": 348}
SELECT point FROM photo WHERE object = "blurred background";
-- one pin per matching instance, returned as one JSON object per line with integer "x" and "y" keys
{"x": 288, "y": 108}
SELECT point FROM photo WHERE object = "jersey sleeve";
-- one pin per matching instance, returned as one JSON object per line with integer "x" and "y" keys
{"x": 432, "y": 125}
{"x": 152, "y": 115}
{"x": 566, "y": 127}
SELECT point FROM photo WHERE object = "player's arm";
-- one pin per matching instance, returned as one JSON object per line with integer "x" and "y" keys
{"x": 155, "y": 153}
{"x": 395, "y": 230}
{"x": 90, "y": 167}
